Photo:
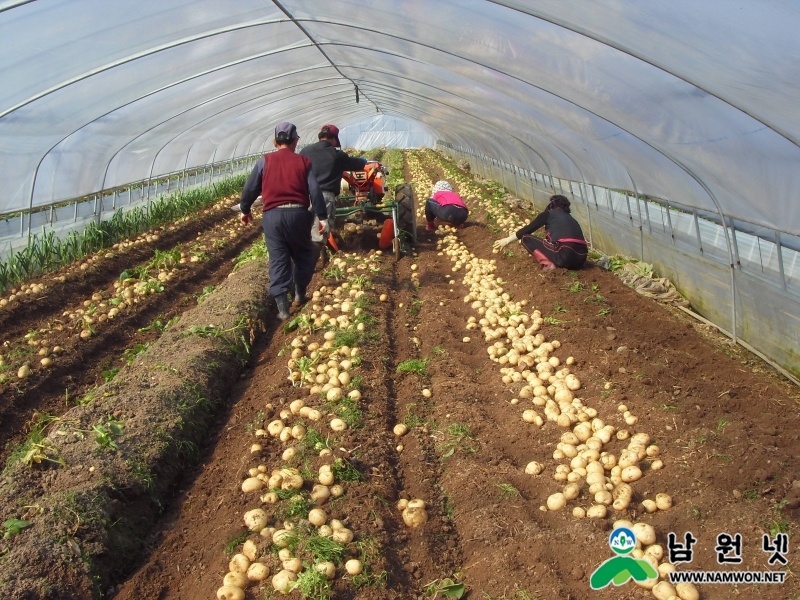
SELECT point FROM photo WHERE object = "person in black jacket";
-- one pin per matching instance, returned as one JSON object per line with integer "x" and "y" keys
{"x": 329, "y": 163}
{"x": 564, "y": 245}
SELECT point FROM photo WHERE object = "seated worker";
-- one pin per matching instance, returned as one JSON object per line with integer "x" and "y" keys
{"x": 445, "y": 205}
{"x": 563, "y": 245}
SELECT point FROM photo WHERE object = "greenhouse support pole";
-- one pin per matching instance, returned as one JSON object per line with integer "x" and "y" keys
{"x": 669, "y": 222}
{"x": 735, "y": 243}
{"x": 186, "y": 164}
{"x": 780, "y": 258}
{"x": 697, "y": 230}
{"x": 639, "y": 212}
{"x": 588, "y": 213}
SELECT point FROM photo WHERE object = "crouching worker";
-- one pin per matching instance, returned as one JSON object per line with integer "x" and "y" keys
{"x": 563, "y": 246}
{"x": 445, "y": 205}
{"x": 288, "y": 187}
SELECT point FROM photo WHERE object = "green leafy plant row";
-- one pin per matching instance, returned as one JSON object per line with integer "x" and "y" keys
{"x": 47, "y": 252}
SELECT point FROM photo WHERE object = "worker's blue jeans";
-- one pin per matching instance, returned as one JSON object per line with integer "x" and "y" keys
{"x": 287, "y": 232}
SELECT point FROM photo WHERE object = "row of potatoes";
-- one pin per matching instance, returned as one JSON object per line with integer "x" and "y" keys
{"x": 526, "y": 356}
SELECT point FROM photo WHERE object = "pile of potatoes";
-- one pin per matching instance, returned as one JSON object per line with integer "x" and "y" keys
{"x": 527, "y": 357}
{"x": 26, "y": 289}
{"x": 414, "y": 512}
{"x": 332, "y": 368}
{"x": 244, "y": 568}
{"x": 530, "y": 355}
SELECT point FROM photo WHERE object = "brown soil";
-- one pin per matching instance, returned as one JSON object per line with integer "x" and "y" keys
{"x": 726, "y": 426}
{"x": 99, "y": 490}
{"x": 82, "y": 362}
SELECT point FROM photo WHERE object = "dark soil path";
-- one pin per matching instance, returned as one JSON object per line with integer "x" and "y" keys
{"x": 726, "y": 430}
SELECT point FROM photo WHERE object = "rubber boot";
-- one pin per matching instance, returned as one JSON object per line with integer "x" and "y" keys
{"x": 547, "y": 264}
{"x": 300, "y": 297}
{"x": 283, "y": 306}
{"x": 319, "y": 248}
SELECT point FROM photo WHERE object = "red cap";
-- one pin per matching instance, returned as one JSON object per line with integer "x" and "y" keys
{"x": 332, "y": 129}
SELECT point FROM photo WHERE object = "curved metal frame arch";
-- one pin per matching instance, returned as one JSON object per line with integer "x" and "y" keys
{"x": 435, "y": 101}
{"x": 639, "y": 56}
{"x": 133, "y": 57}
{"x": 195, "y": 124}
{"x": 74, "y": 131}
{"x": 189, "y": 109}
{"x": 318, "y": 47}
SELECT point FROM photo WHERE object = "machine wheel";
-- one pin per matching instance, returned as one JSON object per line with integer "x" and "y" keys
{"x": 406, "y": 210}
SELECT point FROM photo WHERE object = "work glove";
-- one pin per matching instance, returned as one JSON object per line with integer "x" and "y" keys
{"x": 504, "y": 242}
{"x": 324, "y": 228}
{"x": 247, "y": 218}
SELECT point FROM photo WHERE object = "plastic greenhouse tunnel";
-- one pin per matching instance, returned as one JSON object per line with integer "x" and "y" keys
{"x": 128, "y": 278}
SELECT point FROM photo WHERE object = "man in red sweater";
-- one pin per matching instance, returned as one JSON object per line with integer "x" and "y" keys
{"x": 288, "y": 188}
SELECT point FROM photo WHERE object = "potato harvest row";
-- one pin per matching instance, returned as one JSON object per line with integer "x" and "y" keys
{"x": 455, "y": 424}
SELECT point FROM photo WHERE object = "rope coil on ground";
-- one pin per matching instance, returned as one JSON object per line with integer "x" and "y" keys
{"x": 640, "y": 276}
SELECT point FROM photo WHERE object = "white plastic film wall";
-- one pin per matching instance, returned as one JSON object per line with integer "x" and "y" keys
{"x": 390, "y": 132}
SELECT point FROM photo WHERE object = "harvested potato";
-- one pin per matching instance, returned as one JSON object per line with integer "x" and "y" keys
{"x": 556, "y": 501}
{"x": 230, "y": 592}
{"x": 353, "y": 566}
{"x": 236, "y": 579}
{"x": 663, "y": 501}
{"x": 687, "y": 591}
{"x": 317, "y": 517}
{"x": 414, "y": 516}
{"x": 257, "y": 572}
{"x": 239, "y": 564}
{"x": 533, "y": 468}
{"x": 255, "y": 519}
{"x": 283, "y": 582}
{"x": 250, "y": 550}
{"x": 327, "y": 568}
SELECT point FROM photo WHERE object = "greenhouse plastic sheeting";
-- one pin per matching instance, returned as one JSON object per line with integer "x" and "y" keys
{"x": 389, "y": 132}
{"x": 692, "y": 101}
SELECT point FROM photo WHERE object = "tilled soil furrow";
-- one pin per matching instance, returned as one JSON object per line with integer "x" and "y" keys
{"x": 18, "y": 318}
{"x": 485, "y": 515}
{"x": 432, "y": 550}
{"x": 83, "y": 361}
{"x": 632, "y": 351}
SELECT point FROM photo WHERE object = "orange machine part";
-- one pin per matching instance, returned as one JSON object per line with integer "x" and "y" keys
{"x": 387, "y": 234}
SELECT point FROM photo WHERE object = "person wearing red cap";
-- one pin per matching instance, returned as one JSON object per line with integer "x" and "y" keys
{"x": 288, "y": 188}
{"x": 329, "y": 163}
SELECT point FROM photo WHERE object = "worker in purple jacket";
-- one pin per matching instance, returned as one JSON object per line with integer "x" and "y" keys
{"x": 563, "y": 246}
{"x": 445, "y": 205}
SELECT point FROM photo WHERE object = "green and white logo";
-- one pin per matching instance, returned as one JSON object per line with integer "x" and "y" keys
{"x": 622, "y": 568}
